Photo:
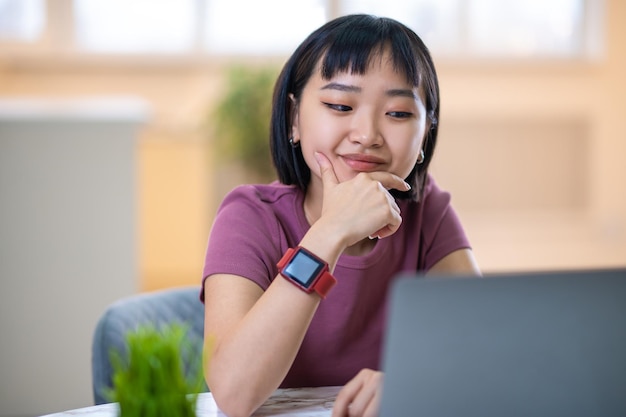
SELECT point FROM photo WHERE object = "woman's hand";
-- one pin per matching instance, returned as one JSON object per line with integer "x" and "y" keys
{"x": 361, "y": 206}
{"x": 361, "y": 396}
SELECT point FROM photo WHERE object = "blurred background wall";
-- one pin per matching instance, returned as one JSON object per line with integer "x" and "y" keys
{"x": 531, "y": 149}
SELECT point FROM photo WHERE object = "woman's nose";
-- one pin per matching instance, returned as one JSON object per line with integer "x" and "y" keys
{"x": 365, "y": 131}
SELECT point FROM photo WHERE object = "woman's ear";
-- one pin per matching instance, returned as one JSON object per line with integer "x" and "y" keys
{"x": 431, "y": 121}
{"x": 295, "y": 123}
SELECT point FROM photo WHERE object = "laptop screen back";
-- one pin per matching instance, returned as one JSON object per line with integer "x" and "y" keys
{"x": 518, "y": 345}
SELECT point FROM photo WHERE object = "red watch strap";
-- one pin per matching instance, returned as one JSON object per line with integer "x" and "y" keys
{"x": 324, "y": 284}
{"x": 283, "y": 261}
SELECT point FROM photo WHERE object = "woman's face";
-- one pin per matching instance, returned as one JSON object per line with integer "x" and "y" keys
{"x": 362, "y": 123}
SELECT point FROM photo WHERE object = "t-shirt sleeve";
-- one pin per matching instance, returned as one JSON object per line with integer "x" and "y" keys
{"x": 442, "y": 231}
{"x": 244, "y": 239}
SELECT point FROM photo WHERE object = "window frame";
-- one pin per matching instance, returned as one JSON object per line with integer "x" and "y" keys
{"x": 57, "y": 44}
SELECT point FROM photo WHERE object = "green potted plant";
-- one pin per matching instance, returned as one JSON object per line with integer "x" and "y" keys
{"x": 151, "y": 379}
{"x": 241, "y": 118}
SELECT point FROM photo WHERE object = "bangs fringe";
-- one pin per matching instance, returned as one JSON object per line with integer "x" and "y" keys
{"x": 356, "y": 46}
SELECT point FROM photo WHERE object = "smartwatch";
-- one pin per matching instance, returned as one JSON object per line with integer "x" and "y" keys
{"x": 306, "y": 271}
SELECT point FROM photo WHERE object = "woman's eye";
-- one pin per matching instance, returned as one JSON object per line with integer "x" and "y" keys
{"x": 338, "y": 107}
{"x": 400, "y": 114}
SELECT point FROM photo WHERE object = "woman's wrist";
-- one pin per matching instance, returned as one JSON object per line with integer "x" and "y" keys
{"x": 325, "y": 244}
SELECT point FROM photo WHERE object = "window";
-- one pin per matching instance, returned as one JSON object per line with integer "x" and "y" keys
{"x": 260, "y": 27}
{"x": 491, "y": 28}
{"x": 182, "y": 26}
{"x": 555, "y": 29}
{"x": 458, "y": 28}
{"x": 21, "y": 20}
{"x": 134, "y": 26}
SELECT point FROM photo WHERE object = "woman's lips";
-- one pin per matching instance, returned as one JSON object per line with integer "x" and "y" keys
{"x": 363, "y": 163}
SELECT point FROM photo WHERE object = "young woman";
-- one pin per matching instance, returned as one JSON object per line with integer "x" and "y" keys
{"x": 297, "y": 272}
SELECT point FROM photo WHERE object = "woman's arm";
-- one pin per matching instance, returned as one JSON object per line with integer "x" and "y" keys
{"x": 459, "y": 262}
{"x": 252, "y": 336}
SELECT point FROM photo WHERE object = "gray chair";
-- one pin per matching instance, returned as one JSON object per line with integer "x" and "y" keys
{"x": 177, "y": 305}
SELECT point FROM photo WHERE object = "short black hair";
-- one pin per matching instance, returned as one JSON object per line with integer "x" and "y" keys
{"x": 348, "y": 43}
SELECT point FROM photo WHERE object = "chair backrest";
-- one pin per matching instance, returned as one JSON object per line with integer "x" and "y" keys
{"x": 177, "y": 305}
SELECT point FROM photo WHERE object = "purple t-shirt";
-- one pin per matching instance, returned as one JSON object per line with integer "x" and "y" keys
{"x": 256, "y": 224}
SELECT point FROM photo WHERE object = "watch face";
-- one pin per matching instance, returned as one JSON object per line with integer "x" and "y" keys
{"x": 303, "y": 269}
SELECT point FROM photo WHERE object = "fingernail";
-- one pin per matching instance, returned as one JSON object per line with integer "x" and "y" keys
{"x": 373, "y": 237}
{"x": 407, "y": 186}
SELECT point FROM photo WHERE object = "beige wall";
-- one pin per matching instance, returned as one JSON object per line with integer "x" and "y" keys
{"x": 532, "y": 154}
{"x": 549, "y": 191}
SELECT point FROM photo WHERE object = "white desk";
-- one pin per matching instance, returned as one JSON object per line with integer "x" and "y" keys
{"x": 296, "y": 402}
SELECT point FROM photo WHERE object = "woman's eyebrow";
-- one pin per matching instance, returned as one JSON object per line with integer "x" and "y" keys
{"x": 342, "y": 87}
{"x": 395, "y": 92}
{"x": 401, "y": 92}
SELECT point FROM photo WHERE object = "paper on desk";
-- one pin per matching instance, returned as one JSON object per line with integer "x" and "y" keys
{"x": 297, "y": 402}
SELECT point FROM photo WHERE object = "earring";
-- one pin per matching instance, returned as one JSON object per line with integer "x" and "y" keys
{"x": 420, "y": 158}
{"x": 293, "y": 143}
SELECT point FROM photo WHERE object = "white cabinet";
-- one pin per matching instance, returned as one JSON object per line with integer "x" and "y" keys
{"x": 68, "y": 241}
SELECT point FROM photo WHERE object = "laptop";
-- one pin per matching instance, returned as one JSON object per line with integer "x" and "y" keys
{"x": 541, "y": 344}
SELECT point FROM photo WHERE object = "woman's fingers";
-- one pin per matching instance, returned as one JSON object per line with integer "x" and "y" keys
{"x": 360, "y": 396}
{"x": 362, "y": 202}
{"x": 390, "y": 181}
{"x": 327, "y": 172}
